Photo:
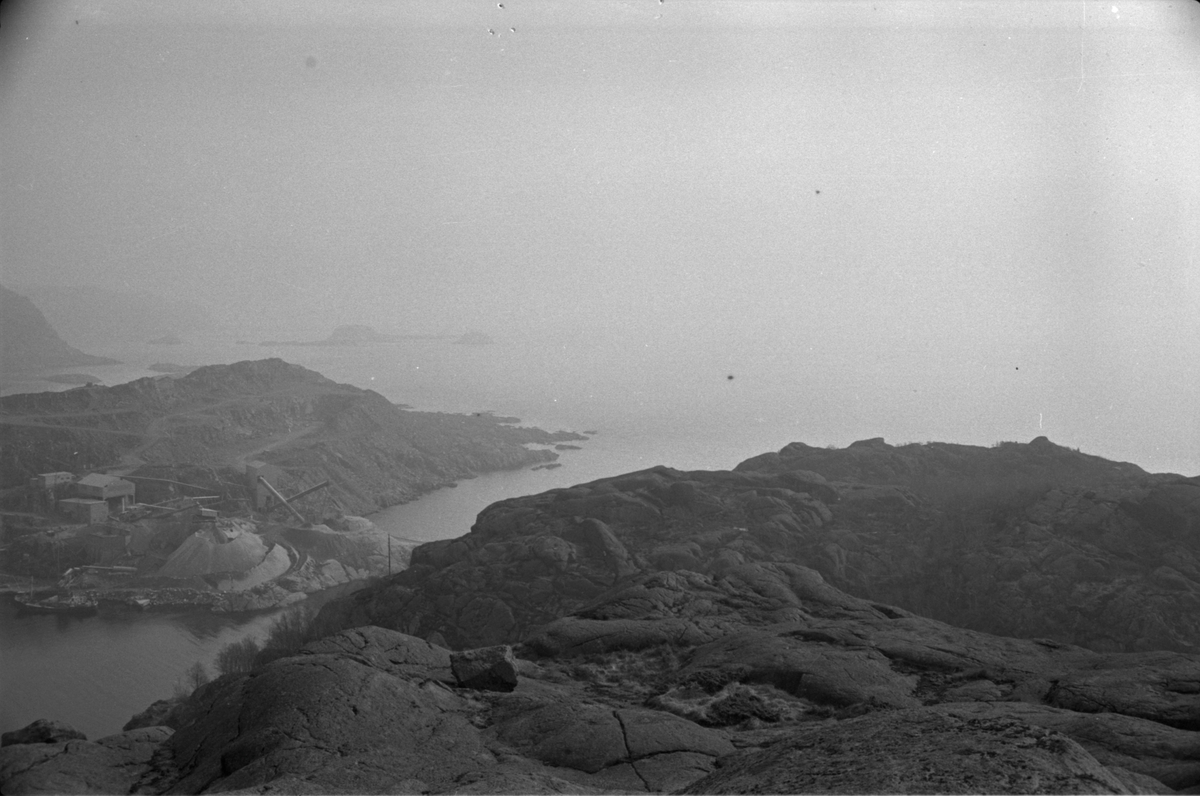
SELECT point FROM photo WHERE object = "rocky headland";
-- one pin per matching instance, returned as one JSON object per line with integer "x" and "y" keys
{"x": 204, "y": 532}
{"x": 111, "y": 313}
{"x": 201, "y": 429}
{"x": 29, "y": 344}
{"x": 733, "y": 632}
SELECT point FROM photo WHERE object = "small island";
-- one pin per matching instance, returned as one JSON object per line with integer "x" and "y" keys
{"x": 474, "y": 338}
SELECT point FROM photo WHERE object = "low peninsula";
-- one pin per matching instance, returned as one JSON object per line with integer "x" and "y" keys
{"x": 236, "y": 487}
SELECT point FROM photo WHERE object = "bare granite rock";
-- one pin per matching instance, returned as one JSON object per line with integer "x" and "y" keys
{"x": 116, "y": 764}
{"x": 690, "y": 631}
{"x": 489, "y": 668}
{"x": 42, "y": 731}
{"x": 917, "y": 750}
{"x": 388, "y": 651}
{"x": 1023, "y": 540}
{"x": 334, "y": 717}
{"x": 1147, "y": 748}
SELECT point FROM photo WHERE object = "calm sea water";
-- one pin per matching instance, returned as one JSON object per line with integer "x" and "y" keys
{"x": 95, "y": 672}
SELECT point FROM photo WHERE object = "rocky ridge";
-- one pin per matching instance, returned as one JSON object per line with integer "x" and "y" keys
{"x": 675, "y": 631}
{"x": 1024, "y": 540}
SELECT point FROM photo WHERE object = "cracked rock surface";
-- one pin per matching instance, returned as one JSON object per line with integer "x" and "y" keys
{"x": 724, "y": 632}
{"x": 357, "y": 712}
{"x": 123, "y": 763}
{"x": 1028, "y": 540}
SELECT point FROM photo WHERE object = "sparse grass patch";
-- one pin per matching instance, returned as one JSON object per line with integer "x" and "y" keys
{"x": 632, "y": 674}
{"x": 237, "y": 657}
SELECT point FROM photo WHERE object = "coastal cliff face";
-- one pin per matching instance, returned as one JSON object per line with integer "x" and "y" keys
{"x": 375, "y": 453}
{"x": 28, "y": 344}
{"x": 674, "y": 632}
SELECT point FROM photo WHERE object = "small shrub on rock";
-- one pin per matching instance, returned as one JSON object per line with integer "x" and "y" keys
{"x": 237, "y": 657}
{"x": 291, "y": 631}
{"x": 193, "y": 678}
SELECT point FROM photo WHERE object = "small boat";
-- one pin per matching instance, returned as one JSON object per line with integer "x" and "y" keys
{"x": 75, "y": 604}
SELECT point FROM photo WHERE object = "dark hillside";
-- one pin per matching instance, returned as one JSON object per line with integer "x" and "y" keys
{"x": 1043, "y": 542}
{"x": 28, "y": 344}
{"x": 221, "y": 416}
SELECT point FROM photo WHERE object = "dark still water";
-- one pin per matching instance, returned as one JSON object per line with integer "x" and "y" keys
{"x": 95, "y": 672}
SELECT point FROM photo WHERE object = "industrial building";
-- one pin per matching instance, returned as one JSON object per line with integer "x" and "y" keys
{"x": 116, "y": 492}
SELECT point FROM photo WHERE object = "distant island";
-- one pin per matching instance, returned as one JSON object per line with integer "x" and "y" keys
{"x": 361, "y": 334}
{"x": 352, "y": 335}
{"x": 167, "y": 339}
{"x": 474, "y": 338}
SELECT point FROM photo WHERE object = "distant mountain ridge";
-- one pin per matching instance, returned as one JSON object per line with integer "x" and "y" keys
{"x": 97, "y": 313}
{"x": 29, "y": 344}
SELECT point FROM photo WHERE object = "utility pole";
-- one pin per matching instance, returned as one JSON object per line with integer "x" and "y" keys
{"x": 389, "y": 536}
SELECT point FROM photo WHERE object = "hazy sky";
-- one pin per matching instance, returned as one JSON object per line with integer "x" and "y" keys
{"x": 913, "y": 187}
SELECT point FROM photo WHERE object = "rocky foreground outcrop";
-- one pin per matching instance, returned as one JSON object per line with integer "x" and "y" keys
{"x": 1018, "y": 539}
{"x": 1024, "y": 540}
{"x": 674, "y": 632}
{"x": 201, "y": 428}
{"x": 837, "y": 694}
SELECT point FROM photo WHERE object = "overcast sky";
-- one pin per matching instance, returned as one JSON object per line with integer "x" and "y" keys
{"x": 914, "y": 185}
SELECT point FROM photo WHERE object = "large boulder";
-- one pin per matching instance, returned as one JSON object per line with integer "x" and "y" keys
{"x": 489, "y": 668}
